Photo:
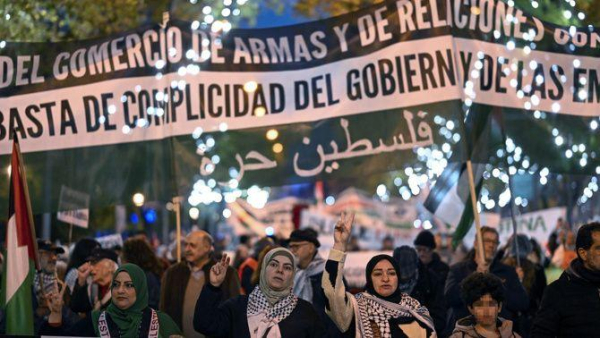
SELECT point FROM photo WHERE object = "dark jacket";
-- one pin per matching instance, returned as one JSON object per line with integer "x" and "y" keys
{"x": 153, "y": 289}
{"x": 81, "y": 299}
{"x": 515, "y": 296}
{"x": 439, "y": 267}
{"x": 175, "y": 281}
{"x": 319, "y": 301}
{"x": 229, "y": 319}
{"x": 570, "y": 308}
{"x": 429, "y": 291}
{"x": 534, "y": 283}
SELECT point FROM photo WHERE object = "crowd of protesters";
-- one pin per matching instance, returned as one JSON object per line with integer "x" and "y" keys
{"x": 285, "y": 288}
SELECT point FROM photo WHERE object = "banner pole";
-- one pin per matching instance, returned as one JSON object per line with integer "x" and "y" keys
{"x": 177, "y": 208}
{"x": 70, "y": 234}
{"x": 480, "y": 252}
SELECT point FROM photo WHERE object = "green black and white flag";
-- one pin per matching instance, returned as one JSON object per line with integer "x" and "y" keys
{"x": 20, "y": 259}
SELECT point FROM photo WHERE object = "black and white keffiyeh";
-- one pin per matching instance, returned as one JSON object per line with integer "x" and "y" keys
{"x": 258, "y": 303}
{"x": 374, "y": 309}
{"x": 49, "y": 284}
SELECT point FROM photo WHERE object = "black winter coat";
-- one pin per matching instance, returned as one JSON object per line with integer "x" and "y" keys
{"x": 570, "y": 308}
{"x": 319, "y": 301}
{"x": 439, "y": 267}
{"x": 229, "y": 319}
{"x": 429, "y": 291}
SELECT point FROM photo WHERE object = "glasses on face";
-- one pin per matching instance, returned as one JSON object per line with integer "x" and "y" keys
{"x": 491, "y": 241}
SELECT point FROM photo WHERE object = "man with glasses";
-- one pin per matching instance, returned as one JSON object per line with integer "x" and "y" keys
{"x": 515, "y": 296}
{"x": 303, "y": 243}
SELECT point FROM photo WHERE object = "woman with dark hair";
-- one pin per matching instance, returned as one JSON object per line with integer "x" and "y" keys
{"x": 82, "y": 250}
{"x": 382, "y": 310}
{"x": 271, "y": 310}
{"x": 137, "y": 251}
{"x": 483, "y": 294}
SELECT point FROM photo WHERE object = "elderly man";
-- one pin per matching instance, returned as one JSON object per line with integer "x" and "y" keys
{"x": 515, "y": 296}
{"x": 182, "y": 282}
{"x": 95, "y": 295}
{"x": 303, "y": 243}
{"x": 571, "y": 305}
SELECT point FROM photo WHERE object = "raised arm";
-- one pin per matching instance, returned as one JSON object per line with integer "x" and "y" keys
{"x": 339, "y": 306}
{"x": 209, "y": 318}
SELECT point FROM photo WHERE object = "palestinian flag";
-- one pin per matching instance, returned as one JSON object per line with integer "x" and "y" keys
{"x": 450, "y": 198}
{"x": 18, "y": 270}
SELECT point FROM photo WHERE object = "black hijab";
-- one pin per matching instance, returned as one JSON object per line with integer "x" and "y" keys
{"x": 394, "y": 297}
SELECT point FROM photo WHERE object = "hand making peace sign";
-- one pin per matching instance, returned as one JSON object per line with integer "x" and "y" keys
{"x": 218, "y": 271}
{"x": 342, "y": 231}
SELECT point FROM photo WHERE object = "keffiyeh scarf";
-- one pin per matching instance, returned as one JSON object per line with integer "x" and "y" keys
{"x": 373, "y": 309}
{"x": 258, "y": 305}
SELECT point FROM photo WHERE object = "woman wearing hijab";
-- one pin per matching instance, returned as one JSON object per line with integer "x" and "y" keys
{"x": 128, "y": 315}
{"x": 270, "y": 311}
{"x": 382, "y": 310}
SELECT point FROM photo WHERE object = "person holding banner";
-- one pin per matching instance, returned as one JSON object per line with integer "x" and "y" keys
{"x": 270, "y": 311}
{"x": 382, "y": 310}
{"x": 128, "y": 314}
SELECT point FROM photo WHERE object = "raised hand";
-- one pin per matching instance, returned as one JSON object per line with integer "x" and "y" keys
{"x": 342, "y": 231}
{"x": 218, "y": 271}
{"x": 55, "y": 301}
{"x": 83, "y": 272}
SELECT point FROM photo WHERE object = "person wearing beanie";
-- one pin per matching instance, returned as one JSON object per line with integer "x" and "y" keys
{"x": 425, "y": 245}
{"x": 421, "y": 284}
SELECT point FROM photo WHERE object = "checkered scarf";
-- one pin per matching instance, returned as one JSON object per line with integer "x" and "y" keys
{"x": 257, "y": 303}
{"x": 374, "y": 309}
{"x": 48, "y": 284}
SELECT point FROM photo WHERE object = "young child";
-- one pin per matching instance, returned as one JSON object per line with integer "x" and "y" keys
{"x": 483, "y": 294}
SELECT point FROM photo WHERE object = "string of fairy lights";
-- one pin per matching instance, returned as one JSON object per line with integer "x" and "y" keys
{"x": 431, "y": 161}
